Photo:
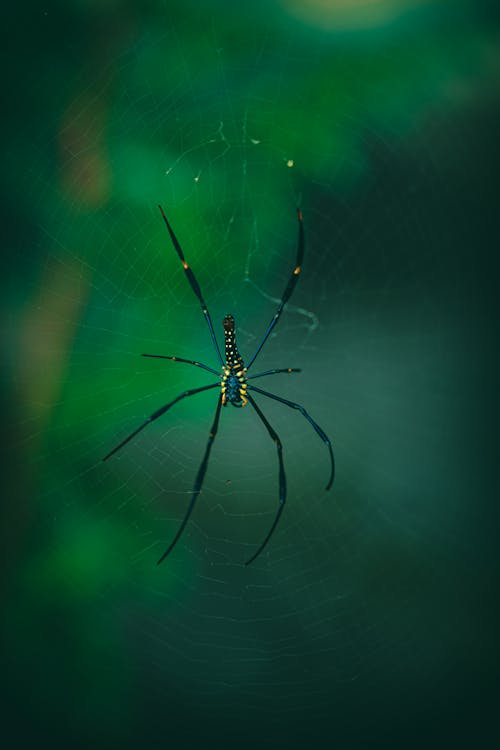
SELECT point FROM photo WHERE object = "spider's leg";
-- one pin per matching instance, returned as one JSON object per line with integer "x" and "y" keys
{"x": 199, "y": 480}
{"x": 316, "y": 426}
{"x": 274, "y": 372}
{"x": 289, "y": 288}
{"x": 157, "y": 414}
{"x": 193, "y": 283}
{"x": 282, "y": 478}
{"x": 179, "y": 359}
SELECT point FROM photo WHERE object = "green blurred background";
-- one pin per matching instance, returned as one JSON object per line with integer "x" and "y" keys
{"x": 370, "y": 619}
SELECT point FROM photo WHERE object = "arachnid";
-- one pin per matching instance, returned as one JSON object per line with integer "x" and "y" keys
{"x": 234, "y": 387}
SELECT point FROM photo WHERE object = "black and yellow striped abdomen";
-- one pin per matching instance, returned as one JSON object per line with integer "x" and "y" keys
{"x": 233, "y": 384}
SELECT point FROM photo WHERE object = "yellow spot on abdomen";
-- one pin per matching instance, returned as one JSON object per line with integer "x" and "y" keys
{"x": 297, "y": 271}
{"x": 185, "y": 264}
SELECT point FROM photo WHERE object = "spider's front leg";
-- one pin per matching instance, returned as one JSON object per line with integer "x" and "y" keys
{"x": 158, "y": 413}
{"x": 198, "y": 482}
{"x": 324, "y": 437}
{"x": 281, "y": 477}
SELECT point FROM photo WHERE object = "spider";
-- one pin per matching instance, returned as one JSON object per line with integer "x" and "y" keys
{"x": 234, "y": 388}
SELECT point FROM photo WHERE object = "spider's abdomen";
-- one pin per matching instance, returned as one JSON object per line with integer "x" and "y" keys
{"x": 233, "y": 385}
{"x": 233, "y": 357}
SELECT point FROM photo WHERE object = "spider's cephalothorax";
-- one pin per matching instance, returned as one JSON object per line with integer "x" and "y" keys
{"x": 233, "y": 383}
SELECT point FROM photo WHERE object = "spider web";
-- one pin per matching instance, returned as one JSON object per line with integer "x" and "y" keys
{"x": 343, "y": 611}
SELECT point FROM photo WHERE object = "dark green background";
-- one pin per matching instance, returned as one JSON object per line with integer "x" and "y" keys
{"x": 370, "y": 619}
